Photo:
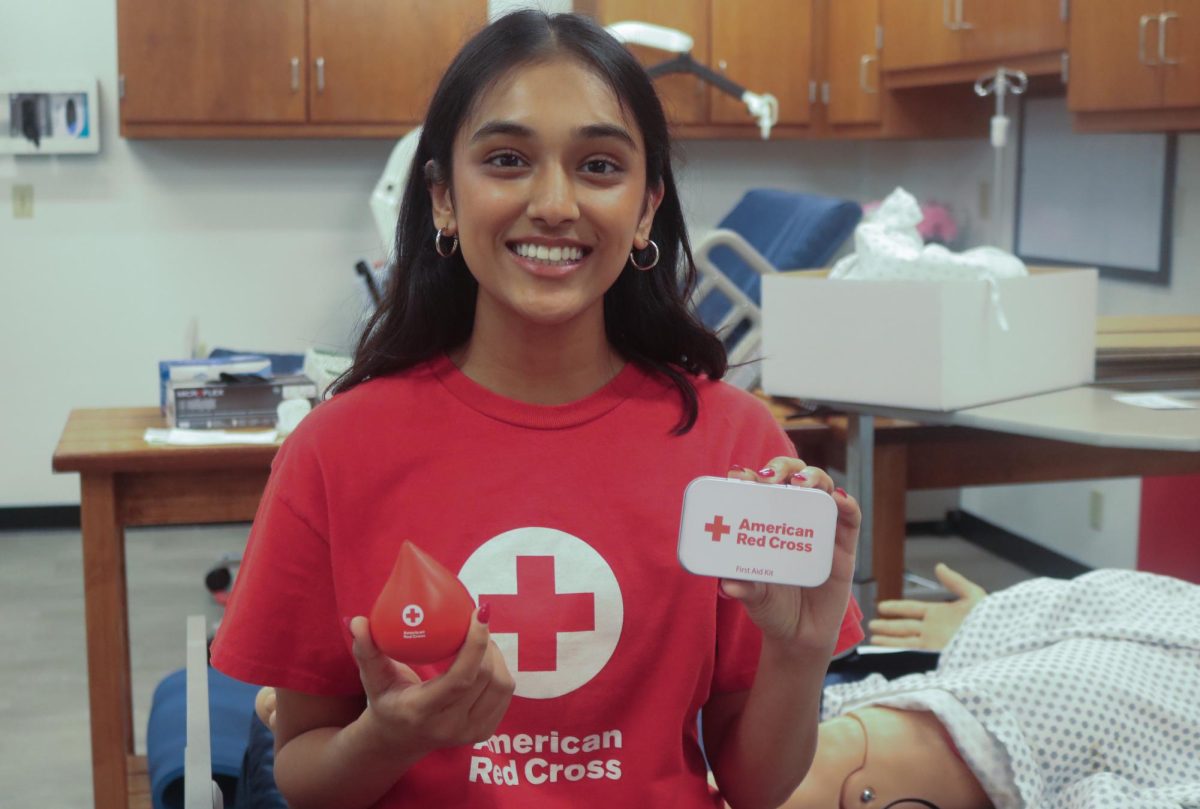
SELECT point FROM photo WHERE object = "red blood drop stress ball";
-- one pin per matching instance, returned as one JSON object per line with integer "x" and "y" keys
{"x": 424, "y": 611}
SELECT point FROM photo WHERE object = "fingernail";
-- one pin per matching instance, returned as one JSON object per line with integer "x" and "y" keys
{"x": 841, "y": 491}
{"x": 803, "y": 476}
{"x": 766, "y": 472}
{"x": 346, "y": 622}
{"x": 485, "y": 612}
{"x": 737, "y": 468}
{"x": 722, "y": 594}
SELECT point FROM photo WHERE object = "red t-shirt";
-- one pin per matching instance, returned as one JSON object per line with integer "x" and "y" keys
{"x": 565, "y": 519}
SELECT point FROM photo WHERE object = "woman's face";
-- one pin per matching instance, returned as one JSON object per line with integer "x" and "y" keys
{"x": 548, "y": 194}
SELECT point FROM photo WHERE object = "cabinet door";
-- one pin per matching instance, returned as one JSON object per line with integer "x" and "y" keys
{"x": 1181, "y": 49}
{"x": 918, "y": 33}
{"x": 766, "y": 47}
{"x": 853, "y": 62}
{"x": 1114, "y": 55}
{"x": 379, "y": 61}
{"x": 216, "y": 61}
{"x": 1004, "y": 30}
{"x": 684, "y": 97}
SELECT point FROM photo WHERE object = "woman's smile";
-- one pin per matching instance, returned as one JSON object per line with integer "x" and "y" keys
{"x": 549, "y": 258}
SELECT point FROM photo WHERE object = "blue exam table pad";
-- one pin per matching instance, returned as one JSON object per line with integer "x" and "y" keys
{"x": 230, "y": 708}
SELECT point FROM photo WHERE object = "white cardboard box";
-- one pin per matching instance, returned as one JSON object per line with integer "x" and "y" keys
{"x": 927, "y": 345}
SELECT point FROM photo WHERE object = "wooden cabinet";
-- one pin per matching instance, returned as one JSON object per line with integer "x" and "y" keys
{"x": 378, "y": 61}
{"x": 1134, "y": 65}
{"x": 685, "y": 98}
{"x": 216, "y": 61}
{"x": 765, "y": 46}
{"x": 929, "y": 42}
{"x": 855, "y": 99}
{"x": 852, "y": 68}
{"x": 1134, "y": 54}
{"x": 285, "y": 68}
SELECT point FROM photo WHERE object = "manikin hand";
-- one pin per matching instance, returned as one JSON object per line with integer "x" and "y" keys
{"x": 810, "y": 617}
{"x": 264, "y": 706}
{"x": 463, "y": 705}
{"x": 926, "y": 624}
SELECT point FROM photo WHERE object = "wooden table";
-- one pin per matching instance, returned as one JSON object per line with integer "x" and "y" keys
{"x": 126, "y": 482}
{"x": 1073, "y": 434}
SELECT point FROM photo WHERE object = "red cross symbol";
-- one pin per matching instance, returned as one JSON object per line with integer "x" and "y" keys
{"x": 717, "y": 528}
{"x": 413, "y": 616}
{"x": 537, "y": 613}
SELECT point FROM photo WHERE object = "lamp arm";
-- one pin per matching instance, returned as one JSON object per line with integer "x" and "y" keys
{"x": 764, "y": 107}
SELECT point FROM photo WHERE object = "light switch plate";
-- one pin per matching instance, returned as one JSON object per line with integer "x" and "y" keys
{"x": 736, "y": 529}
{"x": 22, "y": 201}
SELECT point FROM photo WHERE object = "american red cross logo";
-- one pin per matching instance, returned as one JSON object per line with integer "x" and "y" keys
{"x": 717, "y": 528}
{"x": 537, "y": 613}
{"x": 413, "y": 615}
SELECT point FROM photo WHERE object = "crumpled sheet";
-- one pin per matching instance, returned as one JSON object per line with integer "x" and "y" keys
{"x": 887, "y": 246}
{"x": 1080, "y": 694}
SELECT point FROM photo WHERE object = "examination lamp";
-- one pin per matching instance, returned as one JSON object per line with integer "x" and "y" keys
{"x": 764, "y": 107}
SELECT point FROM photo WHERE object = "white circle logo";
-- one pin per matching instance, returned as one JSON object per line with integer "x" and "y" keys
{"x": 413, "y": 615}
{"x": 557, "y": 610}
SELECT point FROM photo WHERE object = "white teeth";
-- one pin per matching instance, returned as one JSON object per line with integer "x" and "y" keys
{"x": 543, "y": 253}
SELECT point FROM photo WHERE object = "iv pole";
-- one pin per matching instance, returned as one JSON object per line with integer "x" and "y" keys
{"x": 764, "y": 107}
{"x": 1000, "y": 84}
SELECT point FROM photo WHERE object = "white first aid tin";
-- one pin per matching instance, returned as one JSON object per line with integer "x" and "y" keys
{"x": 736, "y": 529}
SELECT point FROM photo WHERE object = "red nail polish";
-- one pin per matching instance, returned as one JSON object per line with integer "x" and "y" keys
{"x": 485, "y": 612}
{"x": 737, "y": 468}
{"x": 722, "y": 594}
{"x": 346, "y": 619}
{"x": 800, "y": 477}
{"x": 841, "y": 491}
{"x": 766, "y": 472}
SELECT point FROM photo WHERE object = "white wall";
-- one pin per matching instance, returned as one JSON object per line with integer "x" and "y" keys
{"x": 1057, "y": 515}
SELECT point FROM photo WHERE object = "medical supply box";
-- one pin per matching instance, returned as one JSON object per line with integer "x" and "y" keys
{"x": 927, "y": 345}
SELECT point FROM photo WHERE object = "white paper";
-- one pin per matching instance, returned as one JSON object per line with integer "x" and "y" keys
{"x": 1153, "y": 401}
{"x": 205, "y": 438}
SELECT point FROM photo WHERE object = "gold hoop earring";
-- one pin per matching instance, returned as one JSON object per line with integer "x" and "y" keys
{"x": 437, "y": 245}
{"x": 644, "y": 267}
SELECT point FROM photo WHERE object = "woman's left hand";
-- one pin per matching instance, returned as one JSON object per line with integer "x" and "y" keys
{"x": 802, "y": 617}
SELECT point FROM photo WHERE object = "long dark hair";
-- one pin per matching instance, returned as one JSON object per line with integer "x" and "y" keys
{"x": 429, "y": 305}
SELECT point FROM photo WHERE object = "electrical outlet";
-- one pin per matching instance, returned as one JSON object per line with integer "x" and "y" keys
{"x": 1096, "y": 510}
{"x": 22, "y": 201}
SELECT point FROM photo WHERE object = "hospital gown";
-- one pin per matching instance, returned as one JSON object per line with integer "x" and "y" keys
{"x": 1080, "y": 694}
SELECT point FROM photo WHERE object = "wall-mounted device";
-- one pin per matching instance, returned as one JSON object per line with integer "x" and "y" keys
{"x": 49, "y": 115}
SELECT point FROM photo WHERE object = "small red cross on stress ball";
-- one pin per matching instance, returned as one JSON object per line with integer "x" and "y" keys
{"x": 413, "y": 615}
{"x": 717, "y": 528}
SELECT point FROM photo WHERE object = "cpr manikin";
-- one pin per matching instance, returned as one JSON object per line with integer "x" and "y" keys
{"x": 875, "y": 758}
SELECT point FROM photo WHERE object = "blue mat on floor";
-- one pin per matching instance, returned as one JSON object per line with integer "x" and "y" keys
{"x": 230, "y": 706}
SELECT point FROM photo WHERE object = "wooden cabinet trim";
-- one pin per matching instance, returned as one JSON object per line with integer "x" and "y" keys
{"x": 1042, "y": 64}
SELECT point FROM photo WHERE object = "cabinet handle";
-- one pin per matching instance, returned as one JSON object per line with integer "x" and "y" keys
{"x": 320, "y": 74}
{"x": 295, "y": 74}
{"x": 1163, "y": 19}
{"x": 1143, "y": 23}
{"x": 946, "y": 16}
{"x": 866, "y": 60}
{"x": 959, "y": 24}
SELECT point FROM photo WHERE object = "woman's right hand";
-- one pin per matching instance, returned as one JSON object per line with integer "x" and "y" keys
{"x": 463, "y": 705}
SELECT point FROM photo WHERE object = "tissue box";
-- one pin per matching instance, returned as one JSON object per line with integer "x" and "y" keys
{"x": 927, "y": 345}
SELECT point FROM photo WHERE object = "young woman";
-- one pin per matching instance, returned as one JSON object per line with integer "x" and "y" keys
{"x": 527, "y": 405}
